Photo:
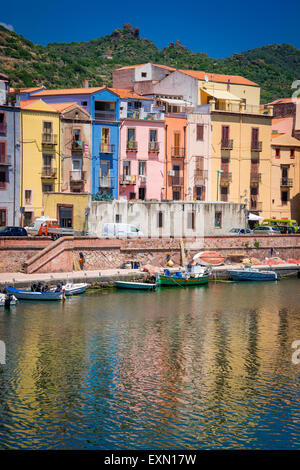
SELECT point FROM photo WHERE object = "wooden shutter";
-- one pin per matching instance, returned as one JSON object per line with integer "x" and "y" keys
{"x": 200, "y": 129}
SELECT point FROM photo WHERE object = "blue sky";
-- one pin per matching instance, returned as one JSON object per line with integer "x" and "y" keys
{"x": 219, "y": 28}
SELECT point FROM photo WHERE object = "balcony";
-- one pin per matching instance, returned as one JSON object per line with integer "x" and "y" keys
{"x": 77, "y": 176}
{"x": 49, "y": 139}
{"x": 234, "y": 107}
{"x": 106, "y": 147}
{"x": 3, "y": 128}
{"x": 227, "y": 144}
{"x": 255, "y": 177}
{"x": 48, "y": 172}
{"x": 177, "y": 152}
{"x": 105, "y": 115}
{"x": 127, "y": 179}
{"x": 131, "y": 146}
{"x": 177, "y": 180}
{"x": 286, "y": 182}
{"x": 5, "y": 160}
{"x": 255, "y": 205}
{"x": 77, "y": 146}
{"x": 199, "y": 177}
{"x": 153, "y": 146}
{"x": 106, "y": 182}
{"x": 256, "y": 146}
{"x": 225, "y": 177}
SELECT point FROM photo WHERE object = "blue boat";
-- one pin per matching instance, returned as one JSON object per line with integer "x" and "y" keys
{"x": 21, "y": 294}
{"x": 253, "y": 274}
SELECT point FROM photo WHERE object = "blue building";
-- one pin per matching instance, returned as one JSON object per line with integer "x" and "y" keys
{"x": 10, "y": 160}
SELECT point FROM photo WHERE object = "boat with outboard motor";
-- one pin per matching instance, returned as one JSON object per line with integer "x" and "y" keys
{"x": 22, "y": 294}
{"x": 248, "y": 273}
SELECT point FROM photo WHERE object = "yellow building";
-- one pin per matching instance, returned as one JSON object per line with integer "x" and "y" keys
{"x": 240, "y": 162}
{"x": 285, "y": 181}
{"x": 40, "y": 164}
{"x": 70, "y": 209}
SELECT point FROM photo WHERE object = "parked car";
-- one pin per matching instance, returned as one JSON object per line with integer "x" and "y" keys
{"x": 240, "y": 231}
{"x": 33, "y": 228}
{"x": 264, "y": 230}
{"x": 13, "y": 232}
{"x": 120, "y": 230}
{"x": 286, "y": 230}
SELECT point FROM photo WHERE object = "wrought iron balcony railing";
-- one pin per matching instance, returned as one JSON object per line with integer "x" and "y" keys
{"x": 256, "y": 146}
{"x": 48, "y": 172}
{"x": 132, "y": 145}
{"x": 227, "y": 144}
{"x": 177, "y": 152}
{"x": 225, "y": 177}
{"x": 77, "y": 176}
{"x": 106, "y": 182}
{"x": 255, "y": 177}
{"x": 287, "y": 182}
{"x": 49, "y": 139}
{"x": 153, "y": 146}
{"x": 107, "y": 147}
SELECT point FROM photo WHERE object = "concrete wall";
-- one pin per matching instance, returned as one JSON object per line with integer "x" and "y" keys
{"x": 179, "y": 84}
{"x": 176, "y": 217}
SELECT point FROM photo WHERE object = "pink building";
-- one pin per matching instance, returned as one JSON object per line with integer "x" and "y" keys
{"x": 141, "y": 171}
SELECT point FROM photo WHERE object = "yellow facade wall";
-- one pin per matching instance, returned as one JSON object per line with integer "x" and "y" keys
{"x": 32, "y": 174}
{"x": 78, "y": 201}
{"x": 249, "y": 93}
{"x": 240, "y": 131}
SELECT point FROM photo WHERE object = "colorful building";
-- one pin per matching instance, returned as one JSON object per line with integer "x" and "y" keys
{"x": 285, "y": 177}
{"x": 9, "y": 155}
{"x": 175, "y": 174}
{"x": 40, "y": 162}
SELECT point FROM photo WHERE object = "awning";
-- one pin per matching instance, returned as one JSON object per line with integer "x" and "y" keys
{"x": 221, "y": 95}
{"x": 175, "y": 102}
{"x": 254, "y": 217}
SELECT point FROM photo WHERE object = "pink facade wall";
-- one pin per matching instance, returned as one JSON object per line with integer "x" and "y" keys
{"x": 154, "y": 160}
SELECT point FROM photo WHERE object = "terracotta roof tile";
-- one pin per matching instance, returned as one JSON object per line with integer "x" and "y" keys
{"x": 215, "y": 77}
{"x": 285, "y": 140}
{"x": 123, "y": 93}
{"x": 70, "y": 91}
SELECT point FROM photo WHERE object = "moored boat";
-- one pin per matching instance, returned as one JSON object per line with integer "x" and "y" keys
{"x": 7, "y": 299}
{"x": 135, "y": 285}
{"x": 21, "y": 294}
{"x": 209, "y": 258}
{"x": 72, "y": 289}
{"x": 184, "y": 279}
{"x": 253, "y": 274}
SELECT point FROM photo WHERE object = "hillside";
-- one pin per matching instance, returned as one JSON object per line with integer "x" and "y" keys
{"x": 59, "y": 65}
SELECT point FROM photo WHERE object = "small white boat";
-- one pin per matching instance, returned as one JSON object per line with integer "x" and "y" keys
{"x": 10, "y": 300}
{"x": 253, "y": 274}
{"x": 135, "y": 285}
{"x": 73, "y": 289}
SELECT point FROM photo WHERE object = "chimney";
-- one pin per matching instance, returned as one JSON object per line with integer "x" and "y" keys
{"x": 85, "y": 83}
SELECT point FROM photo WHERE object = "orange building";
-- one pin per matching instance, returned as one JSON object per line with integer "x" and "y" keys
{"x": 175, "y": 158}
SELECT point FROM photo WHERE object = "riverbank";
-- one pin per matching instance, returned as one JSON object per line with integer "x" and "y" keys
{"x": 107, "y": 277}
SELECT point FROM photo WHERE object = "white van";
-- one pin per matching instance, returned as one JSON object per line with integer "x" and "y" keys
{"x": 33, "y": 228}
{"x": 121, "y": 230}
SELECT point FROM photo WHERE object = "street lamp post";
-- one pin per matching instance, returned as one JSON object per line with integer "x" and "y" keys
{"x": 218, "y": 174}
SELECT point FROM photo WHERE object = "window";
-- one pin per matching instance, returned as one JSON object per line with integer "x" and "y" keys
{"x": 131, "y": 135}
{"x": 28, "y": 196}
{"x": 218, "y": 219}
{"x": 176, "y": 195}
{"x": 76, "y": 164}
{"x": 191, "y": 220}
{"x": 105, "y": 139}
{"x": 126, "y": 169}
{"x": 47, "y": 160}
{"x": 292, "y": 153}
{"x": 224, "y": 193}
{"x": 153, "y": 135}
{"x": 284, "y": 198}
{"x": 131, "y": 195}
{"x": 3, "y": 179}
{"x": 118, "y": 218}
{"x": 76, "y": 134}
{"x": 27, "y": 218}
{"x": 2, "y": 152}
{"x": 160, "y": 219}
{"x": 200, "y": 193}
{"x": 142, "y": 193}
{"x": 65, "y": 216}
{"x": 254, "y": 135}
{"x": 3, "y": 217}
{"x": 2, "y": 123}
{"x": 83, "y": 103}
{"x": 47, "y": 187}
{"x": 200, "y": 131}
{"x": 277, "y": 153}
{"x": 142, "y": 168}
{"x": 144, "y": 74}
{"x": 47, "y": 128}
{"x": 225, "y": 135}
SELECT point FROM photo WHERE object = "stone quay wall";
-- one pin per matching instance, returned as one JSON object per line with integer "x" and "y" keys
{"x": 41, "y": 255}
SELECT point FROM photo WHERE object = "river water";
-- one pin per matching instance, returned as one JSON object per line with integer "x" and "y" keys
{"x": 208, "y": 367}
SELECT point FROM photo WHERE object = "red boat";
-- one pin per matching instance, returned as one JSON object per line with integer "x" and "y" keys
{"x": 209, "y": 258}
